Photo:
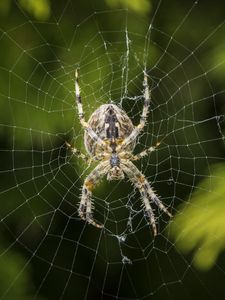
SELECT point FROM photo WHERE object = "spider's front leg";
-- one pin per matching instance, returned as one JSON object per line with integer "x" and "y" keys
{"x": 85, "y": 207}
{"x": 137, "y": 130}
{"x": 86, "y": 126}
{"x": 140, "y": 182}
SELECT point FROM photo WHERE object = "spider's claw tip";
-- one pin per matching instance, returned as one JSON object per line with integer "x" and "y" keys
{"x": 92, "y": 222}
{"x": 100, "y": 226}
{"x": 169, "y": 214}
{"x": 154, "y": 231}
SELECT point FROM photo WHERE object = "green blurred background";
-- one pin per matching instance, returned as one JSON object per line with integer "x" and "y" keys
{"x": 46, "y": 251}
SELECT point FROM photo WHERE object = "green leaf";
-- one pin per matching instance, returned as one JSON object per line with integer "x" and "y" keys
{"x": 200, "y": 225}
{"x": 39, "y": 9}
{"x": 138, "y": 6}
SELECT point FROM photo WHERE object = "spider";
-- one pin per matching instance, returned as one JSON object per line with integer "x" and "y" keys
{"x": 110, "y": 138}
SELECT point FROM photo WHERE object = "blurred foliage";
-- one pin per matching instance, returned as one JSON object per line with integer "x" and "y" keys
{"x": 39, "y": 9}
{"x": 199, "y": 228}
{"x": 4, "y": 7}
{"x": 15, "y": 281}
{"x": 218, "y": 59}
{"x": 138, "y": 6}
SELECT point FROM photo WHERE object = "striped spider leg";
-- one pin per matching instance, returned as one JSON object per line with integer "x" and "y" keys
{"x": 85, "y": 124}
{"x": 85, "y": 207}
{"x": 77, "y": 152}
{"x": 130, "y": 156}
{"x": 141, "y": 183}
{"x": 137, "y": 129}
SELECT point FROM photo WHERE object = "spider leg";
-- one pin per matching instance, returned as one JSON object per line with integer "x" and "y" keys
{"x": 146, "y": 102}
{"x": 140, "y": 182}
{"x": 86, "y": 126}
{"x": 85, "y": 158}
{"x": 137, "y": 130}
{"x": 77, "y": 152}
{"x": 145, "y": 152}
{"x": 85, "y": 207}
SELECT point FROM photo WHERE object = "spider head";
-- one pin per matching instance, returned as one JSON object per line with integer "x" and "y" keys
{"x": 115, "y": 173}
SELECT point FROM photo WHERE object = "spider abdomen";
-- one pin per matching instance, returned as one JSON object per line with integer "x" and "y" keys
{"x": 111, "y": 124}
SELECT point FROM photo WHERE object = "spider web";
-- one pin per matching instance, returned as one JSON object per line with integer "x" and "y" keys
{"x": 56, "y": 253}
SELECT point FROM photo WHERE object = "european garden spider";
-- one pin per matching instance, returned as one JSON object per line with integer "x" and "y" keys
{"x": 110, "y": 138}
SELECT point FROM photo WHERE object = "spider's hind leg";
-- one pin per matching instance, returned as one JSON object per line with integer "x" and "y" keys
{"x": 155, "y": 199}
{"x": 140, "y": 182}
{"x": 82, "y": 209}
{"x": 85, "y": 207}
{"x": 149, "y": 212}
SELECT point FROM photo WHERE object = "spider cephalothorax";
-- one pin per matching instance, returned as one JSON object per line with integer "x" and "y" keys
{"x": 110, "y": 138}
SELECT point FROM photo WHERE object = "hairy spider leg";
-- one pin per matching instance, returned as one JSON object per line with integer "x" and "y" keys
{"x": 85, "y": 207}
{"x": 137, "y": 130}
{"x": 77, "y": 152}
{"x": 140, "y": 182}
{"x": 86, "y": 126}
{"x": 145, "y": 152}
{"x": 85, "y": 158}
